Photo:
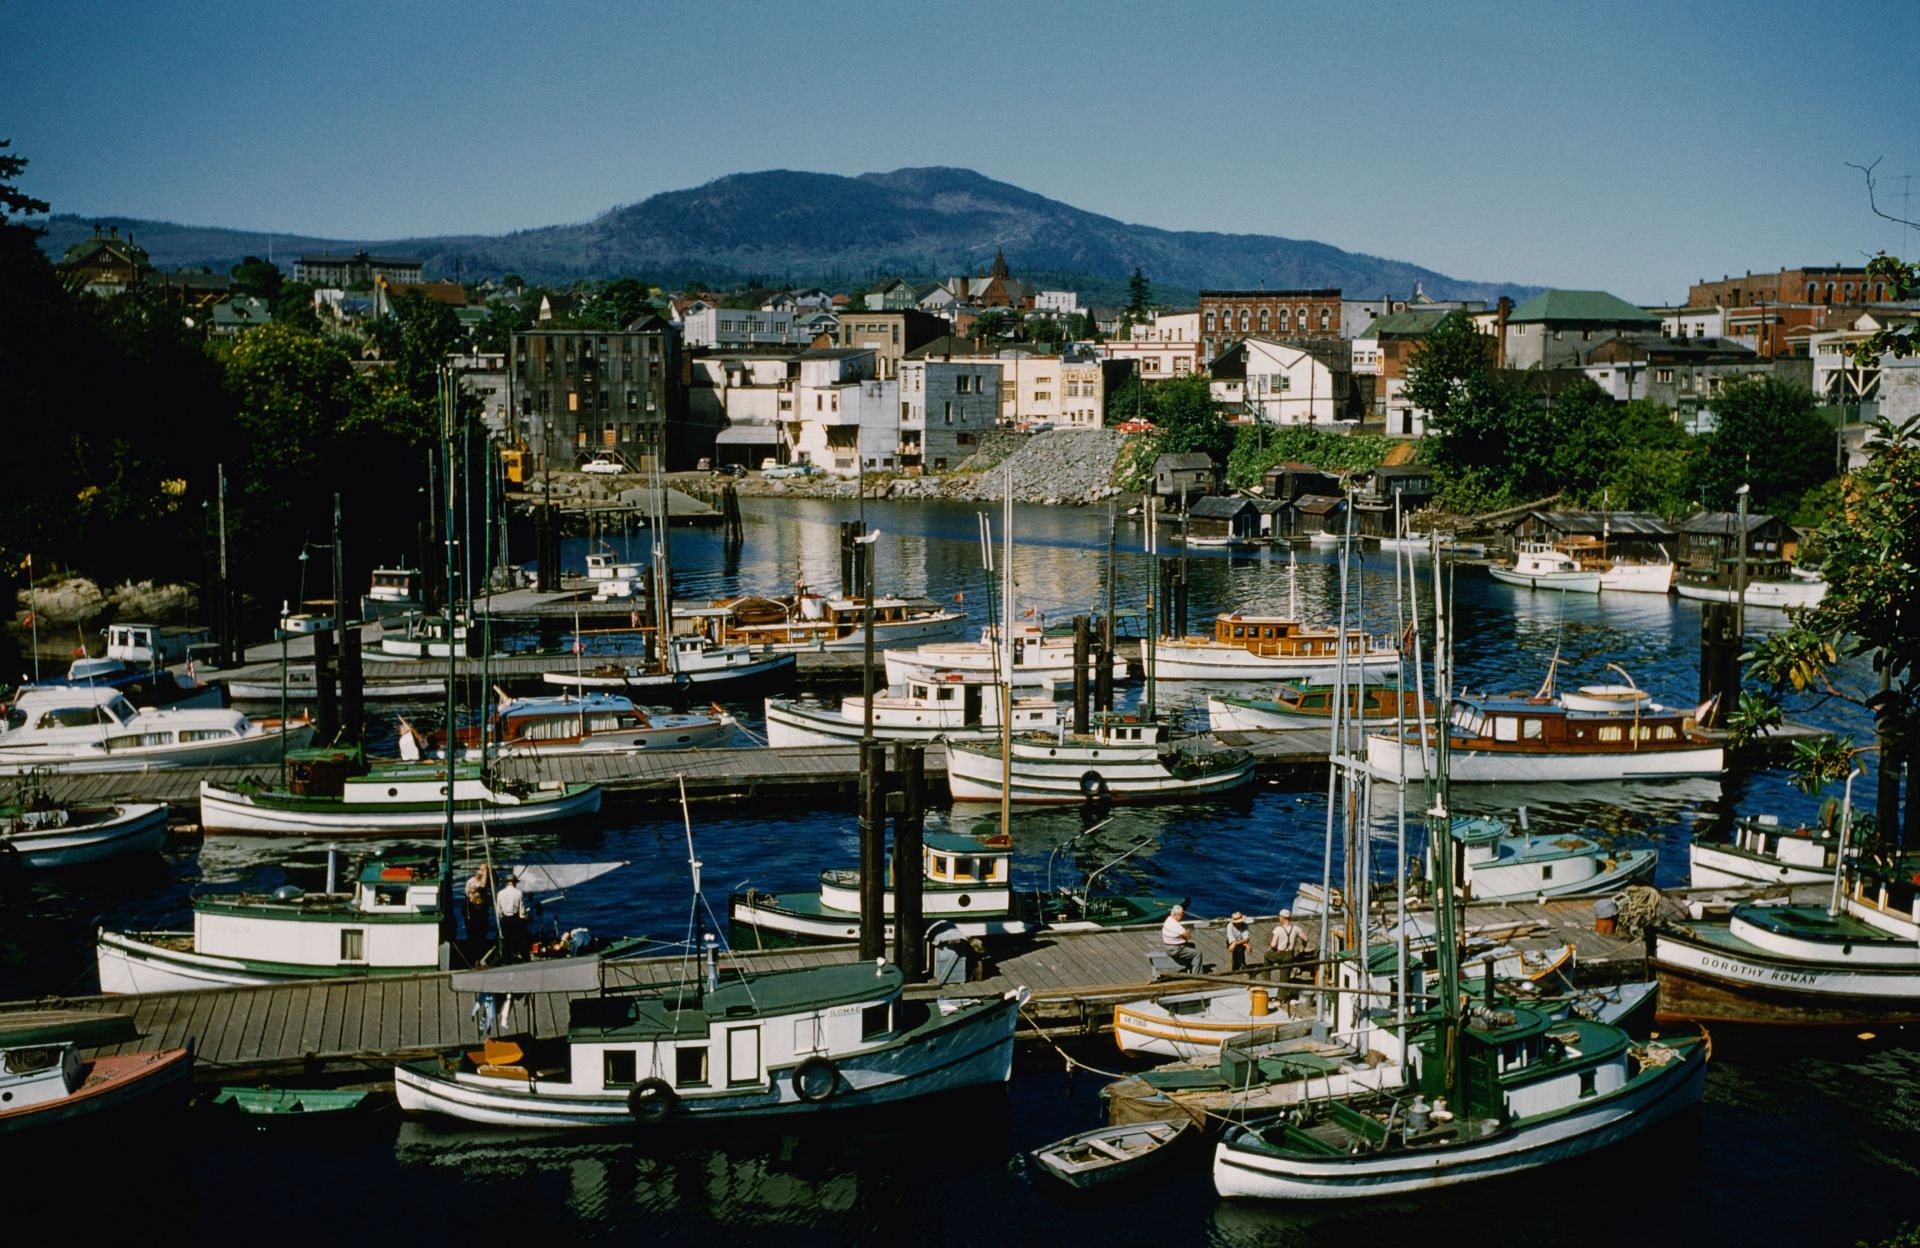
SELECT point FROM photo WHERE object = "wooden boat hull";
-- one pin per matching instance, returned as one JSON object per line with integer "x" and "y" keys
{"x": 226, "y": 810}
{"x": 1212, "y": 661}
{"x": 1570, "y": 582}
{"x": 136, "y": 828}
{"x": 1403, "y": 761}
{"x": 1780, "y": 595}
{"x": 1244, "y": 1171}
{"x": 1638, "y": 578}
{"x": 1057, "y": 775}
{"x": 973, "y": 1049}
{"x": 1702, "y": 982}
{"x": 108, "y": 1084}
{"x": 133, "y": 962}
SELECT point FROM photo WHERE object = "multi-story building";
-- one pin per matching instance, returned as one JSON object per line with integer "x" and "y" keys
{"x": 735, "y": 328}
{"x": 1383, "y": 351}
{"x": 1227, "y": 316}
{"x": 485, "y": 377}
{"x": 1165, "y": 345}
{"x": 1838, "y": 377}
{"x": 343, "y": 272}
{"x": 1556, "y": 328}
{"x": 1684, "y": 375}
{"x": 580, "y": 391}
{"x": 748, "y": 394}
{"x": 843, "y": 417}
{"x": 1286, "y": 383}
{"x": 1806, "y": 284}
{"x": 105, "y": 264}
{"x": 945, "y": 405}
{"x": 889, "y": 335}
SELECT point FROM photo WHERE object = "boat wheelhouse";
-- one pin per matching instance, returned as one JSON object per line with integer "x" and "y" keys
{"x": 1538, "y": 565}
{"x": 589, "y": 723}
{"x": 426, "y": 637}
{"x": 724, "y": 1047}
{"x": 1039, "y": 657}
{"x": 1762, "y": 850}
{"x": 966, "y": 882}
{"x": 1124, "y": 759}
{"x": 943, "y": 705}
{"x": 1513, "y": 738}
{"x": 1501, "y": 865}
{"x": 78, "y": 728}
{"x": 392, "y": 593}
{"x": 333, "y": 792}
{"x": 1267, "y": 647}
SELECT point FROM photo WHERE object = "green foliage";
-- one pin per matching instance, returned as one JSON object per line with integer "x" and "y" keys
{"x": 415, "y": 337}
{"x": 293, "y": 305}
{"x": 15, "y": 202}
{"x": 1187, "y": 419}
{"x": 995, "y": 324}
{"x": 1043, "y": 329}
{"x": 1256, "y": 449}
{"x": 260, "y": 278}
{"x": 1134, "y": 465}
{"x": 1139, "y": 293}
{"x": 1766, "y": 435}
{"x": 1903, "y": 282}
{"x": 1752, "y": 719}
{"x": 504, "y": 319}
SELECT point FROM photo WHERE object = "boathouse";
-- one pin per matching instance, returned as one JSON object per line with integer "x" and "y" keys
{"x": 1224, "y": 517}
{"x": 1707, "y": 538}
{"x": 1189, "y": 474}
{"x": 1627, "y": 534}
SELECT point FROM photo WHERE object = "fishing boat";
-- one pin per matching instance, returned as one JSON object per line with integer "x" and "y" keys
{"x": 81, "y": 729}
{"x": 1111, "y": 1154}
{"x": 946, "y": 705}
{"x": 1501, "y": 865}
{"x": 334, "y": 792}
{"x": 1519, "y": 739}
{"x": 392, "y": 921}
{"x": 392, "y": 593}
{"x": 272, "y": 1109}
{"x": 37, "y": 833}
{"x": 812, "y": 621}
{"x": 1268, "y": 647}
{"x": 45, "y": 1082}
{"x": 588, "y": 723}
{"x": 691, "y": 661}
{"x": 1763, "y": 851}
{"x": 1037, "y": 657}
{"x": 723, "y": 1046}
{"x": 1770, "y": 583}
{"x": 426, "y": 637}
{"x": 1538, "y": 565}
{"x": 1500, "y": 1087}
{"x": 1123, "y": 759}
{"x": 1308, "y": 706}
{"x": 303, "y": 686}
{"x": 1617, "y": 572}
{"x": 966, "y": 883}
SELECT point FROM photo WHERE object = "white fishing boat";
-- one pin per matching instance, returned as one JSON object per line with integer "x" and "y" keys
{"x": 811, "y": 621}
{"x": 569, "y": 724}
{"x": 1501, "y": 865}
{"x": 1770, "y": 583}
{"x": 692, "y": 661}
{"x": 37, "y": 833}
{"x": 1764, "y": 851}
{"x": 945, "y": 705}
{"x": 1269, "y": 647}
{"x": 1519, "y": 739}
{"x": 1307, "y": 706}
{"x": 303, "y": 686}
{"x": 332, "y": 793}
{"x": 426, "y": 637}
{"x": 82, "y": 729}
{"x": 1537, "y": 565}
{"x": 1039, "y": 657}
{"x": 391, "y": 921}
{"x": 1323, "y": 538}
{"x": 966, "y": 883}
{"x": 392, "y": 592}
{"x": 44, "y": 1081}
{"x": 1123, "y": 760}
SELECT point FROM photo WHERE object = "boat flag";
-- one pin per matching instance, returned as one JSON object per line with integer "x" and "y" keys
{"x": 961, "y": 596}
{"x": 633, "y": 619}
{"x": 192, "y": 677}
{"x": 579, "y": 646}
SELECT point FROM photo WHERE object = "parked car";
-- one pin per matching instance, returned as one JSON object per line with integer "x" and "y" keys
{"x": 604, "y": 467}
{"x": 730, "y": 470}
{"x": 1135, "y": 426}
{"x": 790, "y": 470}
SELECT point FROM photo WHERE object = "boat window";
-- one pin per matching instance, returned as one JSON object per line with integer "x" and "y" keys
{"x": 1506, "y": 728}
{"x": 1664, "y": 732}
{"x": 876, "y": 1021}
{"x": 72, "y": 717}
{"x": 1643, "y": 732}
{"x": 942, "y": 865}
{"x": 690, "y": 1065}
{"x": 390, "y": 894}
{"x": 139, "y": 739}
{"x": 1587, "y": 1079}
{"x": 917, "y": 691}
{"x": 353, "y": 944}
{"x": 965, "y": 869}
{"x": 1239, "y": 630}
{"x": 948, "y": 693}
{"x": 1531, "y": 729}
{"x": 621, "y": 1068}
{"x": 1610, "y": 732}
{"x": 1546, "y": 871}
{"x": 121, "y": 710}
{"x": 204, "y": 734}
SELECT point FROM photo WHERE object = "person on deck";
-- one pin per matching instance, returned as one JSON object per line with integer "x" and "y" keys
{"x": 511, "y": 906}
{"x": 1289, "y": 947}
{"x": 479, "y": 884}
{"x": 1177, "y": 938}
{"x": 1239, "y": 940}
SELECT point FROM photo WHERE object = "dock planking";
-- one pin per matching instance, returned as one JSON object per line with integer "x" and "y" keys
{"x": 340, "y": 1028}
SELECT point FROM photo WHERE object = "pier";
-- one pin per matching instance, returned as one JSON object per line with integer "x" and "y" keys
{"x": 353, "y": 1028}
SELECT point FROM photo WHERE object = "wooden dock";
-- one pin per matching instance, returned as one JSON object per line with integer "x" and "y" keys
{"x": 344, "y": 1029}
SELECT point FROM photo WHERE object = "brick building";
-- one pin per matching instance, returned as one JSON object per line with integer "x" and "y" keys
{"x": 1806, "y": 284}
{"x": 1227, "y": 316}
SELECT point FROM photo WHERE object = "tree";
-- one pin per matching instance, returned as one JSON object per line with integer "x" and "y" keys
{"x": 1767, "y": 436}
{"x": 1188, "y": 419}
{"x": 293, "y": 305}
{"x": 1139, "y": 293}
{"x": 994, "y": 324}
{"x": 1041, "y": 328}
{"x": 503, "y": 320}
{"x": 257, "y": 277}
{"x": 16, "y": 236}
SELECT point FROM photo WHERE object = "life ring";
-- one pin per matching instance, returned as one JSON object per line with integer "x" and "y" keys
{"x": 1093, "y": 786}
{"x": 652, "y": 1102}
{"x": 807, "y": 1084}
{"x": 682, "y": 682}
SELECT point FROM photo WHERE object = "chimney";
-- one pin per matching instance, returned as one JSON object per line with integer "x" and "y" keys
{"x": 113, "y": 231}
{"x": 1500, "y": 309}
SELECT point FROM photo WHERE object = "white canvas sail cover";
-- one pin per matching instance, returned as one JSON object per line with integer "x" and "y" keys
{"x": 558, "y": 877}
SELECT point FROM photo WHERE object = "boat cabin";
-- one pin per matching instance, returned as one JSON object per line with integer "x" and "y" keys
{"x": 151, "y": 645}
{"x": 1500, "y": 863}
{"x": 391, "y": 919}
{"x": 1520, "y": 1062}
{"x": 1117, "y": 729}
{"x": 1366, "y": 701}
{"x": 963, "y": 861}
{"x": 394, "y": 585}
{"x": 1539, "y": 724}
{"x": 67, "y": 715}
{"x": 1277, "y": 636}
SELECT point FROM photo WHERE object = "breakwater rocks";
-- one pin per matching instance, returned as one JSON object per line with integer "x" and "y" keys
{"x": 1060, "y": 466}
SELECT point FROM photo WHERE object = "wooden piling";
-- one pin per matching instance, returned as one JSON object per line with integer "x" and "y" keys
{"x": 873, "y": 850}
{"x": 353, "y": 706}
{"x": 1719, "y": 658}
{"x": 909, "y": 915}
{"x": 326, "y": 717}
{"x": 1081, "y": 646}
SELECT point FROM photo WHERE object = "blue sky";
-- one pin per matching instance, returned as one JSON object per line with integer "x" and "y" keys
{"x": 1632, "y": 147}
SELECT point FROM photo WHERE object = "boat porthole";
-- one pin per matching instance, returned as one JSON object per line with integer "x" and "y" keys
{"x": 443, "y": 790}
{"x": 1847, "y": 948}
{"x": 5, "y": 1096}
{"x": 1051, "y": 753}
{"x": 965, "y": 900}
{"x": 684, "y": 740}
{"x": 639, "y": 745}
{"x": 393, "y": 792}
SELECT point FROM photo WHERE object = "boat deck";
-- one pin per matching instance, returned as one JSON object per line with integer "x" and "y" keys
{"x": 339, "y": 1027}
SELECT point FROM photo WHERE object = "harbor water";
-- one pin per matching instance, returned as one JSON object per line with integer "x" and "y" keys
{"x": 1820, "y": 1143}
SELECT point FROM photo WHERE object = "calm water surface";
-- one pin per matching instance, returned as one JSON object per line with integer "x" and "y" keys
{"x": 1821, "y": 1145}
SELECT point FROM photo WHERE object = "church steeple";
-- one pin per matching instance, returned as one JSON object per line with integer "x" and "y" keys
{"x": 999, "y": 268}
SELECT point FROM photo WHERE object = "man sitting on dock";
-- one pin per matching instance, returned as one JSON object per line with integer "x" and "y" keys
{"x": 1177, "y": 937}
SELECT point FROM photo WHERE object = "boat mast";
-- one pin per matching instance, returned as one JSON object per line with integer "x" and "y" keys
{"x": 1440, "y": 848}
{"x": 446, "y": 829}
{"x": 1152, "y": 544}
{"x": 1006, "y": 668}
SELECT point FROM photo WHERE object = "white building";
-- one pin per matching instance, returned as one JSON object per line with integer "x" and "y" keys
{"x": 1165, "y": 345}
{"x": 1058, "y": 302}
{"x": 1693, "y": 322}
{"x": 842, "y": 414}
{"x": 740, "y": 327}
{"x": 1281, "y": 383}
{"x": 484, "y": 376}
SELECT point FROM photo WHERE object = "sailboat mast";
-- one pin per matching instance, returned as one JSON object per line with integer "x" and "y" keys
{"x": 446, "y": 829}
{"x": 1440, "y": 845}
{"x": 1006, "y": 650}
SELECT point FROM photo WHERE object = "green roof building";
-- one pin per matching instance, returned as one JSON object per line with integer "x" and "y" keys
{"x": 1555, "y": 328}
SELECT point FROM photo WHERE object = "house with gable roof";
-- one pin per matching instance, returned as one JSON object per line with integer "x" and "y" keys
{"x": 1556, "y": 328}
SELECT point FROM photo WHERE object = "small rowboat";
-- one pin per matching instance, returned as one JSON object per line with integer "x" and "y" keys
{"x": 1106, "y": 1154}
{"x": 269, "y": 1108}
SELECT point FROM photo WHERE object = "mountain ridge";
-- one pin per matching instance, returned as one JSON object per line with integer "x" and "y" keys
{"x": 789, "y": 227}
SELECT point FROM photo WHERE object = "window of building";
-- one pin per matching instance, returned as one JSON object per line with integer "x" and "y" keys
{"x": 1209, "y": 329}
{"x": 947, "y": 415}
{"x": 1263, "y": 320}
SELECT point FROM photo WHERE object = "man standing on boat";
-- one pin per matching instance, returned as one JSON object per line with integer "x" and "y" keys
{"x": 511, "y": 905}
{"x": 478, "y": 886}
{"x": 1288, "y": 947}
{"x": 1177, "y": 937}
